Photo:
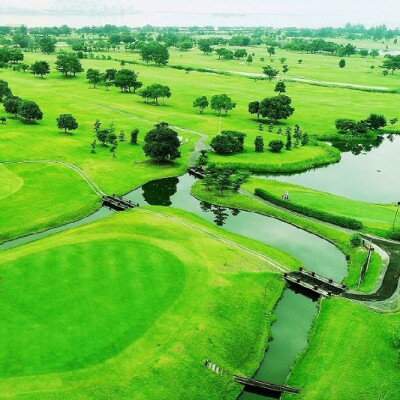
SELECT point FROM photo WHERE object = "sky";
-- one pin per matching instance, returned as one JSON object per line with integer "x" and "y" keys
{"x": 312, "y": 13}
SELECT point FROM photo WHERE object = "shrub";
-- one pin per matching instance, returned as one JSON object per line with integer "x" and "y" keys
{"x": 356, "y": 240}
{"x": 259, "y": 144}
{"x": 394, "y": 233}
{"x": 228, "y": 142}
{"x": 344, "y": 222}
{"x": 276, "y": 146}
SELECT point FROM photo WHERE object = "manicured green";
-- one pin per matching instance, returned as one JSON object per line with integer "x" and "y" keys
{"x": 376, "y": 218}
{"x": 40, "y": 196}
{"x": 126, "y": 313}
{"x": 352, "y": 355}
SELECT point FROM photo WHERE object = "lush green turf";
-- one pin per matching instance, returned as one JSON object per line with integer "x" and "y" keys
{"x": 322, "y": 67}
{"x": 376, "y": 218}
{"x": 297, "y": 159}
{"x": 41, "y": 196}
{"x": 351, "y": 355}
{"x": 125, "y": 312}
{"x": 340, "y": 238}
{"x": 316, "y": 110}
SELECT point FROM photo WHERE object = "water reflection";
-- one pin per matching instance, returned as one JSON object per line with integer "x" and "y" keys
{"x": 220, "y": 213}
{"x": 159, "y": 193}
{"x": 357, "y": 148}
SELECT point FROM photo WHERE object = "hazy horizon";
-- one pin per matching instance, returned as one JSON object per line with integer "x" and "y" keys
{"x": 314, "y": 13}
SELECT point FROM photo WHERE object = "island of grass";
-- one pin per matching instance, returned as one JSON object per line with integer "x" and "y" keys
{"x": 294, "y": 160}
{"x": 38, "y": 196}
{"x": 128, "y": 311}
{"x": 376, "y": 218}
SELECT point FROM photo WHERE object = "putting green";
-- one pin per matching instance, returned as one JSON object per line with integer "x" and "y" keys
{"x": 131, "y": 306}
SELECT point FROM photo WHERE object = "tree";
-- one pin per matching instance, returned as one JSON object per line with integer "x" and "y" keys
{"x": 280, "y": 87}
{"x": 154, "y": 52}
{"x": 68, "y": 64}
{"x": 275, "y": 108}
{"x": 254, "y": 108}
{"x": 41, "y": 68}
{"x": 204, "y": 45}
{"x": 201, "y": 103}
{"x": 259, "y": 144}
{"x": 285, "y": 69}
{"x": 5, "y": 91}
{"x": 276, "y": 146}
{"x": 11, "y": 104}
{"x": 126, "y": 79}
{"x": 342, "y": 63}
{"x": 67, "y": 122}
{"x": 134, "y": 136}
{"x": 93, "y": 76}
{"x": 271, "y": 51}
{"x": 249, "y": 59}
{"x": 270, "y": 72}
{"x": 29, "y": 111}
{"x": 288, "y": 144}
{"x": 345, "y": 125}
{"x": 202, "y": 160}
{"x": 282, "y": 60}
{"x": 222, "y": 102}
{"x": 240, "y": 53}
{"x": 156, "y": 91}
{"x": 374, "y": 53}
{"x": 97, "y": 125}
{"x": 363, "y": 53}
{"x": 47, "y": 44}
{"x": 228, "y": 142}
{"x": 162, "y": 143}
{"x": 391, "y": 63}
{"x": 376, "y": 121}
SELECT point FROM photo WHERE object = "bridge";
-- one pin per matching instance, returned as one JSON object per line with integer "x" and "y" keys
{"x": 315, "y": 283}
{"x": 198, "y": 172}
{"x": 118, "y": 203}
{"x": 253, "y": 385}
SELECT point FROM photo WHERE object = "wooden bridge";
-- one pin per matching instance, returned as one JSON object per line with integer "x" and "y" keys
{"x": 198, "y": 172}
{"x": 118, "y": 203}
{"x": 250, "y": 384}
{"x": 315, "y": 283}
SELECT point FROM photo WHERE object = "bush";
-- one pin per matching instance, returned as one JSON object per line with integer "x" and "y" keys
{"x": 344, "y": 222}
{"x": 356, "y": 240}
{"x": 276, "y": 146}
{"x": 228, "y": 142}
{"x": 394, "y": 234}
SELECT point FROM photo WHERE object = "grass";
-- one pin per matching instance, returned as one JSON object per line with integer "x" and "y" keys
{"x": 294, "y": 160}
{"x": 376, "y": 218}
{"x": 41, "y": 196}
{"x": 321, "y": 67}
{"x": 126, "y": 313}
{"x": 351, "y": 355}
{"x": 341, "y": 239}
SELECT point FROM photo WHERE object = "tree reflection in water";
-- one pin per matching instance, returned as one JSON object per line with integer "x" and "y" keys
{"x": 220, "y": 213}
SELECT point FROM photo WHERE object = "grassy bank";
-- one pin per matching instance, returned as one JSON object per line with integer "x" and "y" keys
{"x": 376, "y": 218}
{"x": 295, "y": 160}
{"x": 125, "y": 313}
{"x": 341, "y": 239}
{"x": 40, "y": 196}
{"x": 352, "y": 355}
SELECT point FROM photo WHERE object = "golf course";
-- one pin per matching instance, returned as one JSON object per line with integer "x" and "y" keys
{"x": 199, "y": 213}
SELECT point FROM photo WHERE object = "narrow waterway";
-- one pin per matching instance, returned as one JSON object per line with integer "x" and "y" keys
{"x": 367, "y": 172}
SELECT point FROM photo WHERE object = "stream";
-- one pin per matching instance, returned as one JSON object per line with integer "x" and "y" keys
{"x": 295, "y": 312}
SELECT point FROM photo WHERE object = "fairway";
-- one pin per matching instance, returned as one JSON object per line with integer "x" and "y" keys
{"x": 29, "y": 206}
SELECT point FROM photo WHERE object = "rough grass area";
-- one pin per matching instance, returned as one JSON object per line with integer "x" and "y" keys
{"x": 127, "y": 312}
{"x": 341, "y": 239}
{"x": 41, "y": 196}
{"x": 352, "y": 355}
{"x": 376, "y": 218}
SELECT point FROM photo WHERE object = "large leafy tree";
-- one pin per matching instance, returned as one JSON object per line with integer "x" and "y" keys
{"x": 67, "y": 122}
{"x": 68, "y": 64}
{"x": 29, "y": 111}
{"x": 11, "y": 104}
{"x": 162, "y": 143}
{"x": 270, "y": 72}
{"x": 5, "y": 91}
{"x": 277, "y": 107}
{"x": 204, "y": 45}
{"x": 222, "y": 102}
{"x": 126, "y": 79}
{"x": 201, "y": 103}
{"x": 93, "y": 76}
{"x": 40, "y": 68}
{"x": 47, "y": 44}
{"x": 254, "y": 108}
{"x": 155, "y": 92}
{"x": 154, "y": 52}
